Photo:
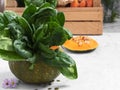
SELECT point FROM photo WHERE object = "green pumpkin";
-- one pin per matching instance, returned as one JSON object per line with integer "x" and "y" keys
{"x": 41, "y": 73}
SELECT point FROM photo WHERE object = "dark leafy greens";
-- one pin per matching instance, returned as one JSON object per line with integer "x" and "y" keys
{"x": 38, "y": 3}
{"x": 30, "y": 36}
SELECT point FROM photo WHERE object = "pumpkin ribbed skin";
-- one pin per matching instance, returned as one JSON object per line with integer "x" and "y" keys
{"x": 42, "y": 73}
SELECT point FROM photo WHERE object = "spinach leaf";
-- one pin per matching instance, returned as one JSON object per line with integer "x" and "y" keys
{"x": 1, "y": 22}
{"x": 45, "y": 51}
{"x": 68, "y": 68}
{"x": 64, "y": 63}
{"x": 61, "y": 18}
{"x": 68, "y": 33}
{"x": 43, "y": 16}
{"x": 25, "y": 25}
{"x": 58, "y": 34}
{"x": 1, "y": 18}
{"x": 6, "y": 44}
{"x": 51, "y": 34}
{"x": 5, "y": 41}
{"x": 69, "y": 72}
{"x": 29, "y": 11}
{"x": 5, "y": 18}
{"x": 9, "y": 15}
{"x": 52, "y": 2}
{"x": 40, "y": 34}
{"x": 10, "y": 55}
{"x": 4, "y": 33}
{"x": 16, "y": 31}
{"x": 22, "y": 49}
{"x": 58, "y": 37}
{"x": 37, "y": 3}
{"x": 46, "y": 4}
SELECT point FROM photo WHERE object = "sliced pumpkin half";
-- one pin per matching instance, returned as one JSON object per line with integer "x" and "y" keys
{"x": 81, "y": 44}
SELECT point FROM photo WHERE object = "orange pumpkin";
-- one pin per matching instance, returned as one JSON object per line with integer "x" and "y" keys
{"x": 81, "y": 44}
{"x": 83, "y": 3}
{"x": 75, "y": 3}
{"x": 89, "y": 3}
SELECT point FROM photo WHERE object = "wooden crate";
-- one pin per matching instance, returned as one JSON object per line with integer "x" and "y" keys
{"x": 81, "y": 20}
{"x": 10, "y": 3}
{"x": 84, "y": 20}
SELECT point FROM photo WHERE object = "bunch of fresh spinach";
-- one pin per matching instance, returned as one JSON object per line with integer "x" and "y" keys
{"x": 30, "y": 36}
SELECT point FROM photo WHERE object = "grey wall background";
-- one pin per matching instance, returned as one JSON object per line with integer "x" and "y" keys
{"x": 117, "y": 5}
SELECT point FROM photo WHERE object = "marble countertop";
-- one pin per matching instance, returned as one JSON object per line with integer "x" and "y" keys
{"x": 97, "y": 70}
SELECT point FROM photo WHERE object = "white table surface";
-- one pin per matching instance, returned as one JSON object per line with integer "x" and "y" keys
{"x": 98, "y": 70}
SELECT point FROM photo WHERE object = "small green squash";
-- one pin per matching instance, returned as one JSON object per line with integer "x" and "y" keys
{"x": 41, "y": 73}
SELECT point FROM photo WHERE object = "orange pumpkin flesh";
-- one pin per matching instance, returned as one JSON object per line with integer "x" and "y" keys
{"x": 81, "y": 44}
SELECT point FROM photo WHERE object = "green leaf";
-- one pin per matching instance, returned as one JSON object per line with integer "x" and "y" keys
{"x": 1, "y": 18}
{"x": 38, "y": 3}
{"x": 1, "y": 22}
{"x": 10, "y": 56}
{"x": 43, "y": 15}
{"x": 1, "y": 26}
{"x": 51, "y": 34}
{"x": 29, "y": 11}
{"x": 52, "y": 2}
{"x": 40, "y": 34}
{"x": 6, "y": 44}
{"x": 46, "y": 51}
{"x": 32, "y": 59}
{"x": 16, "y": 31}
{"x": 22, "y": 49}
{"x": 24, "y": 24}
{"x": 26, "y": 27}
{"x": 69, "y": 69}
{"x": 5, "y": 41}
{"x": 64, "y": 63}
{"x": 68, "y": 33}
{"x": 10, "y": 15}
{"x": 4, "y": 33}
{"x": 58, "y": 35}
{"x": 61, "y": 18}
{"x": 44, "y": 5}
{"x": 69, "y": 72}
{"x": 34, "y": 2}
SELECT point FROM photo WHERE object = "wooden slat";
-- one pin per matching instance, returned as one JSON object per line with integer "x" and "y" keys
{"x": 17, "y": 10}
{"x": 86, "y": 13}
{"x": 11, "y": 3}
{"x": 85, "y": 27}
{"x": 78, "y": 9}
